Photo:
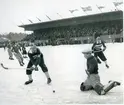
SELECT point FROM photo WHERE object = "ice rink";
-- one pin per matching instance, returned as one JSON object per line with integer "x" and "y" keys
{"x": 66, "y": 65}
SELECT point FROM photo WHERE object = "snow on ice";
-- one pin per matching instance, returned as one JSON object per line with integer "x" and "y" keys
{"x": 66, "y": 65}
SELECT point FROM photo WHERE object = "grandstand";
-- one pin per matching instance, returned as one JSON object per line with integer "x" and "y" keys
{"x": 78, "y": 30}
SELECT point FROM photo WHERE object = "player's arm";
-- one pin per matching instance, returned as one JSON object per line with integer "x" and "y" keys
{"x": 103, "y": 43}
{"x": 93, "y": 47}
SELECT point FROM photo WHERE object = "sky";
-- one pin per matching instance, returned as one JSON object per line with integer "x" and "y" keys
{"x": 17, "y": 12}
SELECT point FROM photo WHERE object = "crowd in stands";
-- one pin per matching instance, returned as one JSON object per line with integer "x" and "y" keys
{"x": 65, "y": 33}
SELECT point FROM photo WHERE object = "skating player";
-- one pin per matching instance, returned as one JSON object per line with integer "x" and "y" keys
{"x": 9, "y": 49}
{"x": 36, "y": 58}
{"x": 16, "y": 51}
{"x": 98, "y": 52}
{"x": 93, "y": 79}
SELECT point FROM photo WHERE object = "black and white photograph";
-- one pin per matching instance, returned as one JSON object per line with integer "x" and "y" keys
{"x": 61, "y": 52}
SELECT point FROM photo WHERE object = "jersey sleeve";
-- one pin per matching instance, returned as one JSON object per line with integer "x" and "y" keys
{"x": 103, "y": 43}
{"x": 93, "y": 46}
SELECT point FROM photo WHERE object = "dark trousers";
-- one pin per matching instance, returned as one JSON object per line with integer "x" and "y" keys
{"x": 41, "y": 64}
{"x": 100, "y": 55}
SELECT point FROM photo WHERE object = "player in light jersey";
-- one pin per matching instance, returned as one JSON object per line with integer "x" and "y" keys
{"x": 9, "y": 49}
{"x": 98, "y": 51}
{"x": 16, "y": 51}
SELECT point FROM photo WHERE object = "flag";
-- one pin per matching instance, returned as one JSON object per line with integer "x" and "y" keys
{"x": 73, "y": 10}
{"x": 30, "y": 21}
{"x": 48, "y": 17}
{"x": 86, "y": 8}
{"x": 89, "y": 8}
{"x": 38, "y": 18}
{"x": 59, "y": 15}
{"x": 100, "y": 7}
{"x": 117, "y": 3}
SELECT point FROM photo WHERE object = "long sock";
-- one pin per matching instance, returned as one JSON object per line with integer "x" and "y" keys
{"x": 30, "y": 77}
{"x": 106, "y": 63}
{"x": 47, "y": 75}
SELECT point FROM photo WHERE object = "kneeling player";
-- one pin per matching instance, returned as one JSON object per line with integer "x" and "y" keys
{"x": 93, "y": 79}
{"x": 36, "y": 58}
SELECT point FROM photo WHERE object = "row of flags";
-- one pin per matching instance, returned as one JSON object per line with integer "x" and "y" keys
{"x": 89, "y": 8}
{"x": 85, "y": 9}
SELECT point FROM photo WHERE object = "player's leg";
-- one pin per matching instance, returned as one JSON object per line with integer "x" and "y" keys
{"x": 18, "y": 58}
{"x": 24, "y": 54}
{"x": 99, "y": 88}
{"x": 10, "y": 54}
{"x": 85, "y": 86}
{"x": 21, "y": 58}
{"x": 44, "y": 69}
{"x": 96, "y": 56}
{"x": 103, "y": 58}
{"x": 96, "y": 84}
{"x": 109, "y": 86}
{"x": 29, "y": 73}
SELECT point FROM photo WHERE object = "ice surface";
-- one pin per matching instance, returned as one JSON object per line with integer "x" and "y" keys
{"x": 66, "y": 66}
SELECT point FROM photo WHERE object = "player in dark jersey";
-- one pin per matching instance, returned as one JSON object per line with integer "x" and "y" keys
{"x": 98, "y": 48}
{"x": 93, "y": 80}
{"x": 36, "y": 58}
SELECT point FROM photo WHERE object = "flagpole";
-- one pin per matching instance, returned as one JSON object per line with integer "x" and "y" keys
{"x": 22, "y": 23}
{"x": 115, "y": 6}
{"x": 30, "y": 21}
{"x": 38, "y": 19}
{"x": 48, "y": 17}
{"x": 59, "y": 15}
{"x": 86, "y": 12}
{"x": 99, "y": 9}
{"x": 73, "y": 14}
